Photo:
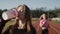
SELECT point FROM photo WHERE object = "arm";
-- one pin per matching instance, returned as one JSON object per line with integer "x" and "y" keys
{"x": 7, "y": 31}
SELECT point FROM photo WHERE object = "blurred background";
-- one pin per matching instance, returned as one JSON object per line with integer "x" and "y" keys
{"x": 37, "y": 7}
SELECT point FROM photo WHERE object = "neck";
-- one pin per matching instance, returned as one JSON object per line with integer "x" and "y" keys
{"x": 21, "y": 25}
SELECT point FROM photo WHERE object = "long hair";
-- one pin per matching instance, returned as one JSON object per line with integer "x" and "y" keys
{"x": 27, "y": 17}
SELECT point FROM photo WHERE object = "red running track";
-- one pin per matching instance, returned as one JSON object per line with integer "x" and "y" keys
{"x": 53, "y": 29}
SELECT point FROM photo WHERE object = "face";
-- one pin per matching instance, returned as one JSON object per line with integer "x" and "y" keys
{"x": 21, "y": 9}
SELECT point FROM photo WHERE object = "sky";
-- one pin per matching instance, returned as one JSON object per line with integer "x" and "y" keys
{"x": 32, "y": 4}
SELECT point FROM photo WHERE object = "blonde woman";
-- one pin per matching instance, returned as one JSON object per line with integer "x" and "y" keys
{"x": 22, "y": 23}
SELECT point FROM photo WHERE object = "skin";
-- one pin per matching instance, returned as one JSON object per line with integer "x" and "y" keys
{"x": 21, "y": 9}
{"x": 18, "y": 23}
{"x": 44, "y": 18}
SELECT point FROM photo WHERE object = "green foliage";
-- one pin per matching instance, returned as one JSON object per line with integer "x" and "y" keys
{"x": 37, "y": 13}
{"x": 50, "y": 13}
{"x": 0, "y": 13}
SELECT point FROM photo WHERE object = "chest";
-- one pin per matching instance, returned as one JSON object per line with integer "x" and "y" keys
{"x": 19, "y": 31}
{"x": 21, "y": 24}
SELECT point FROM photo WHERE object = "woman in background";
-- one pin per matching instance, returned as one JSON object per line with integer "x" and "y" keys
{"x": 44, "y": 23}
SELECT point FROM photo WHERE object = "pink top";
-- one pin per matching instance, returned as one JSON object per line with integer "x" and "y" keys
{"x": 46, "y": 23}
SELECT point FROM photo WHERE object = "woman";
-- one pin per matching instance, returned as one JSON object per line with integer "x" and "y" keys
{"x": 22, "y": 23}
{"x": 44, "y": 23}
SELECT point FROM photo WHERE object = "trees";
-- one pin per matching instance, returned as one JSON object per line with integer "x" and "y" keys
{"x": 50, "y": 13}
{"x": 0, "y": 13}
{"x": 38, "y": 11}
